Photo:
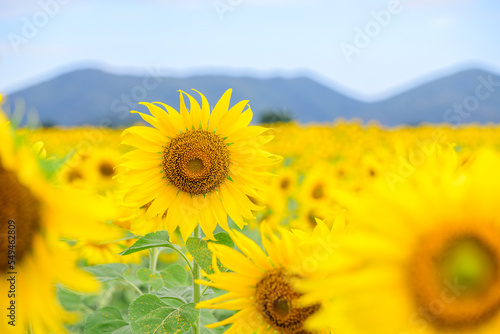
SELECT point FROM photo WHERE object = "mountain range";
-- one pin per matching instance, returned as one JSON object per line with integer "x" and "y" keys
{"x": 94, "y": 97}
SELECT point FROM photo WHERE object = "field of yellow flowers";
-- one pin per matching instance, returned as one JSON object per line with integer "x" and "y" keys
{"x": 194, "y": 221}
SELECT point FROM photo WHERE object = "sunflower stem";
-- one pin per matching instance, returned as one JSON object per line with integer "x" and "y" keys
{"x": 196, "y": 287}
{"x": 153, "y": 259}
{"x": 185, "y": 259}
{"x": 133, "y": 285}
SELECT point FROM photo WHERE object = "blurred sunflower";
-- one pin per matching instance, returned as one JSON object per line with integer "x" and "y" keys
{"x": 196, "y": 166}
{"x": 100, "y": 167}
{"x": 318, "y": 184}
{"x": 285, "y": 182}
{"x": 261, "y": 287}
{"x": 277, "y": 199}
{"x": 424, "y": 258}
{"x": 41, "y": 215}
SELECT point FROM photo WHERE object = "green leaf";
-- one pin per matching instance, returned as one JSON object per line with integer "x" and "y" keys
{"x": 108, "y": 272}
{"x": 174, "y": 276}
{"x": 154, "y": 278}
{"x": 150, "y": 240}
{"x": 124, "y": 330}
{"x": 182, "y": 294}
{"x": 202, "y": 255}
{"x": 223, "y": 238}
{"x": 149, "y": 315}
{"x": 107, "y": 320}
{"x": 207, "y": 318}
{"x": 51, "y": 165}
{"x": 70, "y": 300}
{"x": 181, "y": 320}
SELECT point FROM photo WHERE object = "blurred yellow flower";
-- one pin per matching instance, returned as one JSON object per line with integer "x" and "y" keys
{"x": 424, "y": 258}
{"x": 33, "y": 257}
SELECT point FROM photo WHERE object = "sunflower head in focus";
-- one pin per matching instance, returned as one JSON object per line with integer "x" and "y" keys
{"x": 261, "y": 287}
{"x": 424, "y": 258}
{"x": 196, "y": 166}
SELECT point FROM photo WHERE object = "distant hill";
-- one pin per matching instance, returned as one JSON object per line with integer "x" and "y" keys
{"x": 459, "y": 98}
{"x": 88, "y": 96}
{"x": 95, "y": 97}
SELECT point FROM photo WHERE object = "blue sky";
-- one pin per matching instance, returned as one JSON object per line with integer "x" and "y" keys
{"x": 338, "y": 42}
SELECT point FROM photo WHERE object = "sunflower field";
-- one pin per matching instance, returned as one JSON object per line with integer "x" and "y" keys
{"x": 195, "y": 221}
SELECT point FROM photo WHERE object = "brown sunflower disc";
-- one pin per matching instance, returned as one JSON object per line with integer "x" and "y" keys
{"x": 196, "y": 162}
{"x": 276, "y": 300}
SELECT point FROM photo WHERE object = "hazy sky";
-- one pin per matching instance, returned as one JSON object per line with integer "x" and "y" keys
{"x": 367, "y": 48}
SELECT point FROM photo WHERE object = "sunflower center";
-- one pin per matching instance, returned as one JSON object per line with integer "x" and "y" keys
{"x": 277, "y": 302}
{"x": 280, "y": 306}
{"x": 195, "y": 165}
{"x": 20, "y": 207}
{"x": 318, "y": 191}
{"x": 106, "y": 169}
{"x": 196, "y": 162}
{"x": 456, "y": 276}
{"x": 471, "y": 263}
{"x": 285, "y": 183}
{"x": 74, "y": 175}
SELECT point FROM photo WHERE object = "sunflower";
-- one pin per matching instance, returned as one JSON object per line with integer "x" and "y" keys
{"x": 33, "y": 257}
{"x": 424, "y": 258}
{"x": 196, "y": 166}
{"x": 262, "y": 287}
{"x": 99, "y": 168}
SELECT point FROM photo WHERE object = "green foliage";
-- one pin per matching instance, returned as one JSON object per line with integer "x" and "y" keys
{"x": 107, "y": 320}
{"x": 148, "y": 314}
{"x": 182, "y": 295}
{"x": 150, "y": 240}
{"x": 153, "y": 278}
{"x": 168, "y": 308}
{"x": 206, "y": 318}
{"x": 108, "y": 272}
{"x": 202, "y": 255}
{"x": 174, "y": 276}
{"x": 70, "y": 300}
{"x": 51, "y": 165}
{"x": 275, "y": 116}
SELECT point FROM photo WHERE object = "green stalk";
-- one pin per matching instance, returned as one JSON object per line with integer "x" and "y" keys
{"x": 153, "y": 259}
{"x": 133, "y": 285}
{"x": 196, "y": 287}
